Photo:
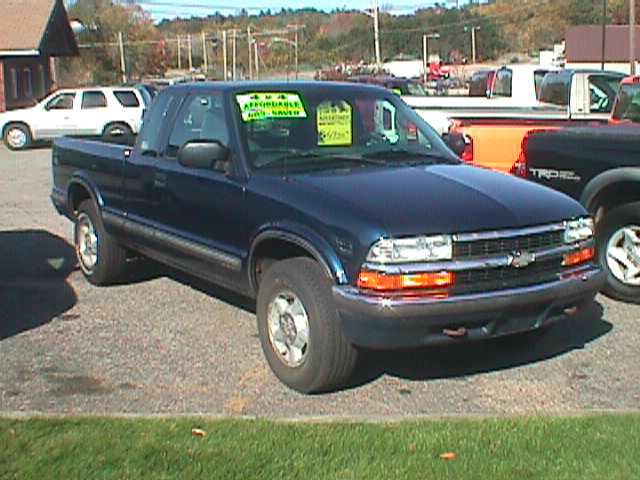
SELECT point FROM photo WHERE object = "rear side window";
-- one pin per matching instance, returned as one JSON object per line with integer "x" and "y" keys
{"x": 556, "y": 89}
{"x": 201, "y": 118}
{"x": 93, "y": 100}
{"x": 628, "y": 106}
{"x": 504, "y": 79}
{"x": 602, "y": 92}
{"x": 150, "y": 134}
{"x": 127, "y": 98}
{"x": 538, "y": 77}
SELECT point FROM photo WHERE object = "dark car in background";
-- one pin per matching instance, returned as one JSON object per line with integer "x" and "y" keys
{"x": 400, "y": 86}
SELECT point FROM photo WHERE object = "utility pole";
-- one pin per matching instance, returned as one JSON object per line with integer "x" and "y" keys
{"x": 473, "y": 30}
{"x": 376, "y": 31}
{"x": 257, "y": 59}
{"x": 179, "y": 54}
{"x": 425, "y": 52}
{"x": 190, "y": 53}
{"x": 249, "y": 56}
{"x": 604, "y": 31}
{"x": 123, "y": 66}
{"x": 205, "y": 60}
{"x": 632, "y": 37}
{"x": 225, "y": 61}
{"x": 234, "y": 53}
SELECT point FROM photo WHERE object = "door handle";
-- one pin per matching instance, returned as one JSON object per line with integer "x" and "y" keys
{"x": 160, "y": 180}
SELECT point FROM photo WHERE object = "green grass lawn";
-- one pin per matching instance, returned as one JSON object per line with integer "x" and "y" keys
{"x": 603, "y": 447}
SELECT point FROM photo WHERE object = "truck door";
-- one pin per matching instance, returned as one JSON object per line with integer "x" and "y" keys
{"x": 202, "y": 209}
{"x": 142, "y": 194}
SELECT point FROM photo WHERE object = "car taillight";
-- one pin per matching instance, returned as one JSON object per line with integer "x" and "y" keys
{"x": 467, "y": 153}
{"x": 381, "y": 282}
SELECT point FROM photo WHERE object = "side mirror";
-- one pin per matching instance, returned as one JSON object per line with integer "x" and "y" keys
{"x": 202, "y": 154}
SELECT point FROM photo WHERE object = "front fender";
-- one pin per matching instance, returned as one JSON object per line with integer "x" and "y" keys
{"x": 598, "y": 183}
{"x": 306, "y": 238}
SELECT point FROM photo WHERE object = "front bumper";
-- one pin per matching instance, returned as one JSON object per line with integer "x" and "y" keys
{"x": 389, "y": 322}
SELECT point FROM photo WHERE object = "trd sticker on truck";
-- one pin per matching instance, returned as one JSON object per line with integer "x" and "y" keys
{"x": 261, "y": 105}
{"x": 550, "y": 174}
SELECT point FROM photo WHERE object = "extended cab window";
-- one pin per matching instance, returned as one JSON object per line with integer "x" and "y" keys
{"x": 503, "y": 86}
{"x": 63, "y": 101}
{"x": 602, "y": 92}
{"x": 127, "y": 98}
{"x": 150, "y": 134}
{"x": 202, "y": 117}
{"x": 93, "y": 100}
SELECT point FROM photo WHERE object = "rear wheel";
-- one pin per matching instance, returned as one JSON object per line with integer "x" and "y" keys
{"x": 101, "y": 259}
{"x": 299, "y": 328}
{"x": 17, "y": 136}
{"x": 117, "y": 132}
{"x": 619, "y": 252}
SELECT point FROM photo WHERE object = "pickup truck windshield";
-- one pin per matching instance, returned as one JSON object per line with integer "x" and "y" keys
{"x": 314, "y": 132}
{"x": 628, "y": 104}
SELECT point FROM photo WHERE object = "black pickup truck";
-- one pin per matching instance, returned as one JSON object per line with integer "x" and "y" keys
{"x": 600, "y": 167}
{"x": 339, "y": 209}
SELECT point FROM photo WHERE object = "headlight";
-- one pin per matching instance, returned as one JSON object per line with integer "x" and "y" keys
{"x": 407, "y": 250}
{"x": 578, "y": 230}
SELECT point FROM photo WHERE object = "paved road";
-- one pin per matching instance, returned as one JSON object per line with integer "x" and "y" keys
{"x": 165, "y": 343}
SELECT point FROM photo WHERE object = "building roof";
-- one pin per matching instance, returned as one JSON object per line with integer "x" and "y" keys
{"x": 36, "y": 27}
{"x": 584, "y": 43}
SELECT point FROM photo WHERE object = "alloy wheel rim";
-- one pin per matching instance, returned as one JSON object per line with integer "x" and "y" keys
{"x": 16, "y": 138}
{"x": 288, "y": 324}
{"x": 86, "y": 243}
{"x": 623, "y": 255}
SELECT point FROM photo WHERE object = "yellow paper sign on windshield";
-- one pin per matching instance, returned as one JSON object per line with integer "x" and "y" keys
{"x": 334, "y": 124}
{"x": 260, "y": 105}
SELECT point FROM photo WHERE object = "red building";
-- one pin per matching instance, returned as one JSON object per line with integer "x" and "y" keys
{"x": 32, "y": 34}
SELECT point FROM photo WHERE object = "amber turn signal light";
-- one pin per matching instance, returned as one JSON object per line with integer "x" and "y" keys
{"x": 384, "y": 283}
{"x": 581, "y": 256}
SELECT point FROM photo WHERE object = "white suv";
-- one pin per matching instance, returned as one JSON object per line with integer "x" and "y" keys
{"x": 110, "y": 112}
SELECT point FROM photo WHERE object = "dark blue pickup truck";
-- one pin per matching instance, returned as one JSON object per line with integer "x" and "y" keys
{"x": 339, "y": 209}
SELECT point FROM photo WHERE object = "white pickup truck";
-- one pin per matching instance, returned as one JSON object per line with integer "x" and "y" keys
{"x": 108, "y": 112}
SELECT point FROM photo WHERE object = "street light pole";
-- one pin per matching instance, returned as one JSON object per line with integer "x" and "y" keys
{"x": 632, "y": 37}
{"x": 604, "y": 30}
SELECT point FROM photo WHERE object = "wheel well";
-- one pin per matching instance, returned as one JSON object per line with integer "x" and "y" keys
{"x": 270, "y": 251}
{"x": 77, "y": 195}
{"x": 113, "y": 124}
{"x": 9, "y": 124}
{"x": 613, "y": 195}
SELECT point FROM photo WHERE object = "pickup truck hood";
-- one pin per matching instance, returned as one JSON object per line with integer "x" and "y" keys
{"x": 443, "y": 199}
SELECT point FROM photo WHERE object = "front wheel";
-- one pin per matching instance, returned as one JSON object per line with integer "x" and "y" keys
{"x": 299, "y": 328}
{"x": 101, "y": 259}
{"x": 619, "y": 252}
{"x": 17, "y": 136}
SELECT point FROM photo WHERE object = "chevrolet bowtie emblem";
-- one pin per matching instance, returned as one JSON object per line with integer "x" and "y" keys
{"x": 521, "y": 259}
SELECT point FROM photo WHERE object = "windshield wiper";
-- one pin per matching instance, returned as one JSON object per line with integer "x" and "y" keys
{"x": 410, "y": 155}
{"x": 319, "y": 156}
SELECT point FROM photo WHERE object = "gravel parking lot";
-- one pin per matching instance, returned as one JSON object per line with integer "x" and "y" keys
{"x": 166, "y": 343}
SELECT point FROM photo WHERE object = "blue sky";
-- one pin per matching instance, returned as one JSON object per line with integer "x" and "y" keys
{"x": 185, "y": 8}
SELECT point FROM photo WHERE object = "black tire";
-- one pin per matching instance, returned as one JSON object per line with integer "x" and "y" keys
{"x": 117, "y": 133}
{"x": 110, "y": 257}
{"x": 330, "y": 358}
{"x": 618, "y": 218}
{"x": 23, "y": 131}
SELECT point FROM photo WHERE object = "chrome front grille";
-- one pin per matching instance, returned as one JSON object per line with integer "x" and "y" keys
{"x": 505, "y": 246}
